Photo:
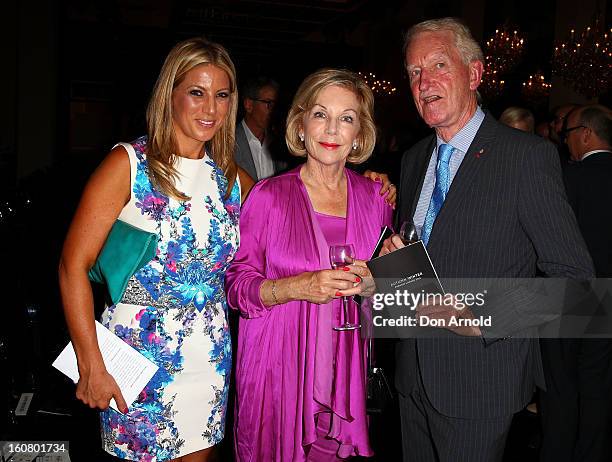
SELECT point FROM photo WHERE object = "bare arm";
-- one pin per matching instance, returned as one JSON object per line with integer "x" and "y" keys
{"x": 106, "y": 193}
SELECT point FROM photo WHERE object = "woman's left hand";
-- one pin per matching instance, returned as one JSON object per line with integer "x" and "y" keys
{"x": 367, "y": 284}
{"x": 387, "y": 187}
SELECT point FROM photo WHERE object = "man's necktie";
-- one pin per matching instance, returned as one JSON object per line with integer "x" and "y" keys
{"x": 445, "y": 151}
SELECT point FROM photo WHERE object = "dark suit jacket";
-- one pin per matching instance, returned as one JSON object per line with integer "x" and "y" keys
{"x": 589, "y": 191}
{"x": 244, "y": 158}
{"x": 505, "y": 215}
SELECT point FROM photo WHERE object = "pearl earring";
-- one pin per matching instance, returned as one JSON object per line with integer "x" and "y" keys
{"x": 302, "y": 137}
{"x": 354, "y": 144}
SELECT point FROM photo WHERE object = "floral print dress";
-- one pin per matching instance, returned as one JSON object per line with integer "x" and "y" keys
{"x": 174, "y": 312}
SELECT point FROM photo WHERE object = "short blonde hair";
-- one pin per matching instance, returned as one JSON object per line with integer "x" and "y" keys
{"x": 515, "y": 114}
{"x": 162, "y": 144}
{"x": 305, "y": 99}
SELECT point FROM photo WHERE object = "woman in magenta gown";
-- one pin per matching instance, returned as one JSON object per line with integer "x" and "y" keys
{"x": 301, "y": 384}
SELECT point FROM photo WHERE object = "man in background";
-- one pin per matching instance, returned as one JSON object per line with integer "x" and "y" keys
{"x": 557, "y": 125}
{"x": 253, "y": 134}
{"x": 576, "y": 406}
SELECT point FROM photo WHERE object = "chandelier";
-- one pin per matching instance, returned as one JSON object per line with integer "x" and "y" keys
{"x": 491, "y": 86}
{"x": 536, "y": 87}
{"x": 379, "y": 87}
{"x": 502, "y": 51}
{"x": 584, "y": 60}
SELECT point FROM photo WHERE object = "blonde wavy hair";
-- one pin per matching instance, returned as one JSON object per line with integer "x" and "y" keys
{"x": 306, "y": 97}
{"x": 162, "y": 144}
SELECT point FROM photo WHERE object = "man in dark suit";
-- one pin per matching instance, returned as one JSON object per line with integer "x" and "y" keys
{"x": 254, "y": 140}
{"x": 489, "y": 202}
{"x": 588, "y": 136}
{"x": 577, "y": 404}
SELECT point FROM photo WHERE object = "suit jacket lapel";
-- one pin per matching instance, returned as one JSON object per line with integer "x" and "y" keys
{"x": 465, "y": 176}
{"x": 243, "y": 155}
{"x": 421, "y": 170}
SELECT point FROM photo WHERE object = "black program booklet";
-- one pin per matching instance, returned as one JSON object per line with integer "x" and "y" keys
{"x": 407, "y": 269}
{"x": 404, "y": 279}
{"x": 385, "y": 232}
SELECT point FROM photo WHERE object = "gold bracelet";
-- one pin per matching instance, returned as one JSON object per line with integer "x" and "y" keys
{"x": 274, "y": 292}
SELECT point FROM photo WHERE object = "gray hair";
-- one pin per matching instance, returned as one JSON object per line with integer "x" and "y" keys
{"x": 599, "y": 119}
{"x": 468, "y": 47}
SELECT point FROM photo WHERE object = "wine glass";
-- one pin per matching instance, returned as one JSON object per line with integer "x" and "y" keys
{"x": 339, "y": 257}
{"x": 408, "y": 232}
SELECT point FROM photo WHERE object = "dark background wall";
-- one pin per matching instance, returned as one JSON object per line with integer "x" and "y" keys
{"x": 79, "y": 72}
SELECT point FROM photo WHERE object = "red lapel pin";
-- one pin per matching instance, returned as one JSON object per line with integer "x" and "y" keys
{"x": 479, "y": 153}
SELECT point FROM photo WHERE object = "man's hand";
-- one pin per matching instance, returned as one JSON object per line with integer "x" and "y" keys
{"x": 391, "y": 244}
{"x": 446, "y": 312}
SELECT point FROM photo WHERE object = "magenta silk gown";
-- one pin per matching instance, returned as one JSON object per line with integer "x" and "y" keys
{"x": 287, "y": 369}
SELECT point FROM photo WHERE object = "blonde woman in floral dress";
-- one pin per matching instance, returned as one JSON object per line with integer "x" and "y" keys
{"x": 179, "y": 182}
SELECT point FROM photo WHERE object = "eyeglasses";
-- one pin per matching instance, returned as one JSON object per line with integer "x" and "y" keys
{"x": 270, "y": 103}
{"x": 565, "y": 132}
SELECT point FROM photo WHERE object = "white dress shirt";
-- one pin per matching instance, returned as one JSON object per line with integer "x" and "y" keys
{"x": 264, "y": 165}
{"x": 461, "y": 142}
{"x": 587, "y": 154}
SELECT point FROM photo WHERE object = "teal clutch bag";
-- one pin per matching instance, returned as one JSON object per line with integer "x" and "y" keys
{"x": 126, "y": 250}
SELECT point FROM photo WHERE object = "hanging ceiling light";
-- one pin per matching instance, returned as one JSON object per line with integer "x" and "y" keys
{"x": 584, "y": 60}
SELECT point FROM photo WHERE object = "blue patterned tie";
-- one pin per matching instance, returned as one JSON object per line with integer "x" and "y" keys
{"x": 445, "y": 151}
